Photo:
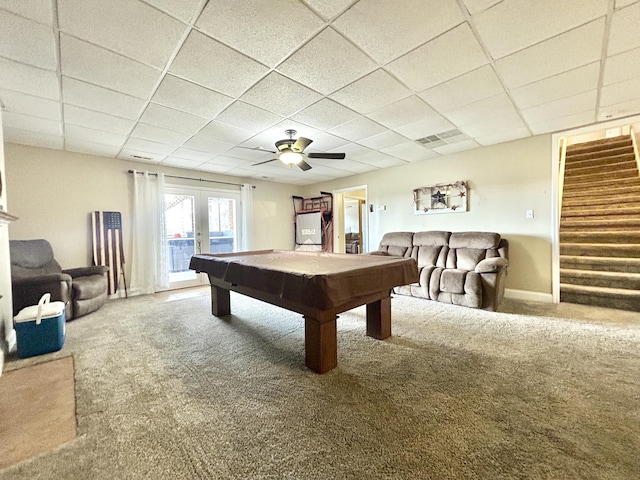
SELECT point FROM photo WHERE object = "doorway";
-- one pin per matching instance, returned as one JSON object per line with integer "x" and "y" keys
{"x": 351, "y": 228}
{"x": 198, "y": 220}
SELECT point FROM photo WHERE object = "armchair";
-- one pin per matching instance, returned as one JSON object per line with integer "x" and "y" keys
{"x": 34, "y": 272}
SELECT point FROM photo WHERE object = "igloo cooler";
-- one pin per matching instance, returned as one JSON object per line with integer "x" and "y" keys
{"x": 40, "y": 328}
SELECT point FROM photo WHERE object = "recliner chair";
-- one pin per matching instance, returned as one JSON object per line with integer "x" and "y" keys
{"x": 34, "y": 272}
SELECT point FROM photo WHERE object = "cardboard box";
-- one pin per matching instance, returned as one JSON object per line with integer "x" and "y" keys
{"x": 40, "y": 328}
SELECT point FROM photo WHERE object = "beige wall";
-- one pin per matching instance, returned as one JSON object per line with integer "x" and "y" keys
{"x": 505, "y": 180}
{"x": 53, "y": 192}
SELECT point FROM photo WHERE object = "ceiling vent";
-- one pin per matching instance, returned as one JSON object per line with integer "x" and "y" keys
{"x": 442, "y": 138}
{"x": 140, "y": 157}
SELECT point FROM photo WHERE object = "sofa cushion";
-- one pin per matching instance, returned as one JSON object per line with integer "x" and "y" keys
{"x": 434, "y": 238}
{"x": 465, "y": 258}
{"x": 482, "y": 240}
{"x": 397, "y": 243}
{"x": 452, "y": 280}
{"x": 89, "y": 287}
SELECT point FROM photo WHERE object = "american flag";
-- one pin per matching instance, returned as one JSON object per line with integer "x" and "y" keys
{"x": 107, "y": 246}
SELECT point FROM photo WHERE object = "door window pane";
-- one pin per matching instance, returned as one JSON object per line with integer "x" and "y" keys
{"x": 180, "y": 228}
{"x": 222, "y": 221}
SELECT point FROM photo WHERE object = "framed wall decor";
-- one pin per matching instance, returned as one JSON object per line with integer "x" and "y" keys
{"x": 441, "y": 198}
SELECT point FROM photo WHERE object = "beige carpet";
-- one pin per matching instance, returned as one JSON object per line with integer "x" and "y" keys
{"x": 166, "y": 391}
{"x": 37, "y": 410}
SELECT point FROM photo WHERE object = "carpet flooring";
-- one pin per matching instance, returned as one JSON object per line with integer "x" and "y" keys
{"x": 167, "y": 391}
{"x": 37, "y": 410}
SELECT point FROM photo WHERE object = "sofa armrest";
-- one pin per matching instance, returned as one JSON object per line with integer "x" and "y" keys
{"x": 86, "y": 271}
{"x": 377, "y": 252}
{"x": 492, "y": 265}
{"x": 49, "y": 279}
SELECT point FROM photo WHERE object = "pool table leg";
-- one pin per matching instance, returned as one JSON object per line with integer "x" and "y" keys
{"x": 320, "y": 343}
{"x": 379, "y": 319}
{"x": 220, "y": 301}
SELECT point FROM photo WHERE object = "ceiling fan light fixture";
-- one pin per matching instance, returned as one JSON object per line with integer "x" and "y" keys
{"x": 290, "y": 157}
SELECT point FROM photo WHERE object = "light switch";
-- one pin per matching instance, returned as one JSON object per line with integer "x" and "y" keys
{"x": 529, "y": 214}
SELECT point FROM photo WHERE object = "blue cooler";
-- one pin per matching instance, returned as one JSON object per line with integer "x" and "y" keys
{"x": 40, "y": 328}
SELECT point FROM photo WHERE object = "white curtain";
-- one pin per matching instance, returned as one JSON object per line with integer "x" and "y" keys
{"x": 246, "y": 199}
{"x": 149, "y": 260}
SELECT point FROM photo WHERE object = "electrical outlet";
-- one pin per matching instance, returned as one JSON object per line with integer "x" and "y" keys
{"x": 529, "y": 214}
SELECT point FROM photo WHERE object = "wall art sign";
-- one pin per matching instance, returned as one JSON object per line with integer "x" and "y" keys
{"x": 441, "y": 198}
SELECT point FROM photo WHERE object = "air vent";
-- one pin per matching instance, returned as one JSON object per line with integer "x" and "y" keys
{"x": 140, "y": 157}
{"x": 442, "y": 138}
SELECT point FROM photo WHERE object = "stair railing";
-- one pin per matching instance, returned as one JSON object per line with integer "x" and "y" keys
{"x": 635, "y": 148}
{"x": 563, "y": 155}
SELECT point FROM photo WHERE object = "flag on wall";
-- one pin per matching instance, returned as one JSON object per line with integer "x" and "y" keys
{"x": 107, "y": 246}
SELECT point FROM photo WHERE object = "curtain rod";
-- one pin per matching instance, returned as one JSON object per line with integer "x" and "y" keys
{"x": 199, "y": 179}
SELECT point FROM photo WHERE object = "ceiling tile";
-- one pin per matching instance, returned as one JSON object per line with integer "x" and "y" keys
{"x": 226, "y": 133}
{"x": 280, "y": 95}
{"x": 561, "y": 108}
{"x": 172, "y": 119}
{"x": 323, "y": 142}
{"x": 139, "y": 145}
{"x": 573, "y": 49}
{"x": 207, "y": 144}
{"x": 92, "y": 148}
{"x": 495, "y": 106}
{"x": 376, "y": 90}
{"x": 619, "y": 110}
{"x": 36, "y": 139}
{"x": 233, "y": 162}
{"x": 33, "y": 124}
{"x": 91, "y": 135}
{"x": 623, "y": 3}
{"x": 408, "y": 110}
{"x": 314, "y": 64}
{"x": 177, "y": 93}
{"x": 211, "y": 64}
{"x": 379, "y": 27}
{"x": 505, "y": 123}
{"x": 559, "y": 86}
{"x": 384, "y": 139}
{"x": 132, "y": 29}
{"x": 184, "y": 10}
{"x": 137, "y": 155}
{"x": 477, "y": 6}
{"x": 82, "y": 94}
{"x": 158, "y": 134}
{"x": 456, "y": 147}
{"x": 563, "y": 122}
{"x": 29, "y": 105}
{"x": 259, "y": 31}
{"x": 616, "y": 92}
{"x": 451, "y": 54}
{"x": 500, "y": 136}
{"x": 470, "y": 87}
{"x": 328, "y": 9}
{"x": 34, "y": 9}
{"x": 325, "y": 114}
{"x": 410, "y": 152}
{"x": 26, "y": 41}
{"x": 181, "y": 162}
{"x": 353, "y": 151}
{"x": 622, "y": 67}
{"x": 96, "y": 65}
{"x": 354, "y": 166}
{"x": 214, "y": 167}
{"x": 624, "y": 30}
{"x": 243, "y": 115}
{"x": 357, "y": 129}
{"x": 513, "y": 25}
{"x": 195, "y": 155}
{"x": 430, "y": 125}
{"x": 100, "y": 121}
{"x": 27, "y": 79}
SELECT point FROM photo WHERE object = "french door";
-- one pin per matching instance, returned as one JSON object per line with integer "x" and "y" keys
{"x": 198, "y": 221}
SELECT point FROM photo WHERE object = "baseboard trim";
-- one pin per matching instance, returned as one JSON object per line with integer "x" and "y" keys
{"x": 528, "y": 295}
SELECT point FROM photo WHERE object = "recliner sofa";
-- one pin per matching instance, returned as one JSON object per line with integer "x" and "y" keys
{"x": 461, "y": 268}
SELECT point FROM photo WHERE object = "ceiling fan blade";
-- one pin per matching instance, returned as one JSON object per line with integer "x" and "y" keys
{"x": 300, "y": 144}
{"x": 332, "y": 156}
{"x": 304, "y": 166}
{"x": 260, "y": 149}
{"x": 266, "y": 161}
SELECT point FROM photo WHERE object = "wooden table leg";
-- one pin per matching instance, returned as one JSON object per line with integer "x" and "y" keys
{"x": 320, "y": 344}
{"x": 379, "y": 319}
{"x": 220, "y": 301}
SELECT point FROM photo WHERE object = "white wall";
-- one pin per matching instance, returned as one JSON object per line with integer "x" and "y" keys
{"x": 505, "y": 180}
{"x": 53, "y": 192}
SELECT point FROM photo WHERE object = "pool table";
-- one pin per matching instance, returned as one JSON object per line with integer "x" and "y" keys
{"x": 317, "y": 285}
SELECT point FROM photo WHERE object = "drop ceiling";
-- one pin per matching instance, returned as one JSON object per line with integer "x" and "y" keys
{"x": 187, "y": 83}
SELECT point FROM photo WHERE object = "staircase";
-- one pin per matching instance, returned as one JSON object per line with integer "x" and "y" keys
{"x": 600, "y": 225}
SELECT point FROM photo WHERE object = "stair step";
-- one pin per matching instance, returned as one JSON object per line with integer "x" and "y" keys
{"x": 620, "y": 250}
{"x": 594, "y": 185}
{"x": 612, "y": 222}
{"x": 601, "y": 168}
{"x": 599, "y": 145}
{"x": 607, "y": 264}
{"x": 596, "y": 278}
{"x": 602, "y": 211}
{"x": 629, "y": 171}
{"x": 619, "y": 298}
{"x": 575, "y": 158}
{"x": 610, "y": 203}
{"x": 599, "y": 236}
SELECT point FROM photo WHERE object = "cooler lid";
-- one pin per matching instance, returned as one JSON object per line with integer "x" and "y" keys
{"x": 28, "y": 314}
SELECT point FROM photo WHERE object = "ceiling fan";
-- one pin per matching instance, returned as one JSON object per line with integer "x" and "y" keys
{"x": 290, "y": 151}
